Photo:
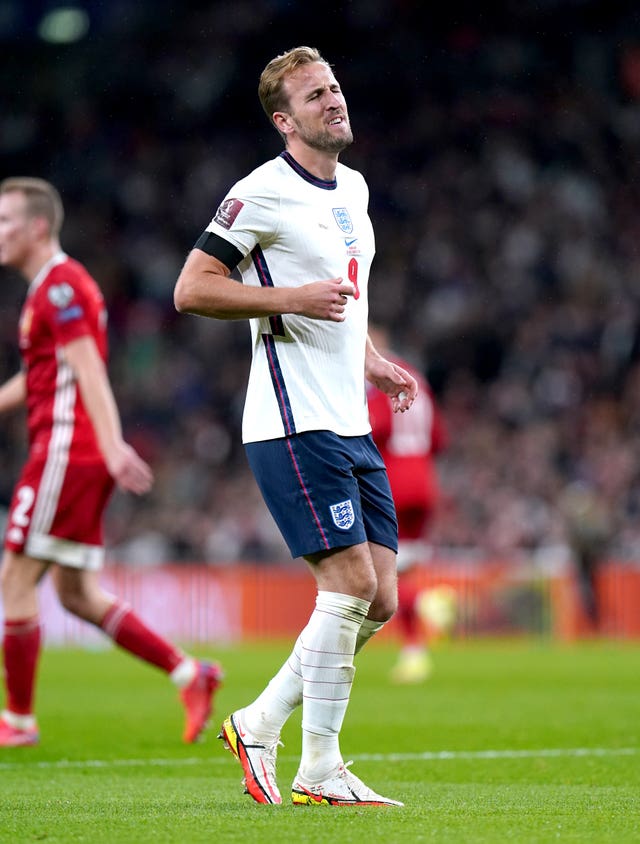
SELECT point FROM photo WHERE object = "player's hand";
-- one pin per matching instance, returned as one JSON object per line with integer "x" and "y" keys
{"x": 323, "y": 299}
{"x": 129, "y": 470}
{"x": 393, "y": 381}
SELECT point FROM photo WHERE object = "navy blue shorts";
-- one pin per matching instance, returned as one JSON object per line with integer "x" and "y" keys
{"x": 325, "y": 491}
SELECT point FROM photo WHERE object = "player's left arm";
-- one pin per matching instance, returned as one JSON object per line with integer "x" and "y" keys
{"x": 389, "y": 378}
{"x": 129, "y": 470}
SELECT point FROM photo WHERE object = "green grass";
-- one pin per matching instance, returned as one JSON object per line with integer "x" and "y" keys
{"x": 523, "y": 742}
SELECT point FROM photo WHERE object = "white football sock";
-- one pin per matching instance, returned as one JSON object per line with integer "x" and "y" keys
{"x": 265, "y": 717}
{"x": 19, "y": 722}
{"x": 184, "y": 672}
{"x": 328, "y": 645}
{"x": 368, "y": 628}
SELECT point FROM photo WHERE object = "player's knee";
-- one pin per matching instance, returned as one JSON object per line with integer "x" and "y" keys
{"x": 15, "y": 582}
{"x": 75, "y": 602}
{"x": 369, "y": 588}
{"x": 349, "y": 570}
{"x": 4, "y": 578}
{"x": 384, "y": 606}
{"x": 362, "y": 583}
{"x": 388, "y": 609}
{"x": 7, "y": 584}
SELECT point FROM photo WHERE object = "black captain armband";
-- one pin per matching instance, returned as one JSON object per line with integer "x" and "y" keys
{"x": 219, "y": 248}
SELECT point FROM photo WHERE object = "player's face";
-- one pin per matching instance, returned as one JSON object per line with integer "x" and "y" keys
{"x": 317, "y": 108}
{"x": 16, "y": 230}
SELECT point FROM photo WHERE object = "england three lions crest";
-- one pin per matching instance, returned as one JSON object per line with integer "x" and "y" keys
{"x": 343, "y": 219}
{"x": 343, "y": 515}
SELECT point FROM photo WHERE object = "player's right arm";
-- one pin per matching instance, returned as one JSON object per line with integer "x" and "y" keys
{"x": 205, "y": 287}
{"x": 128, "y": 469}
{"x": 13, "y": 393}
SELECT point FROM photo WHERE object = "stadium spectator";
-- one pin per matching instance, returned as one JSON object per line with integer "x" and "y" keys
{"x": 298, "y": 230}
{"x": 76, "y": 455}
{"x": 589, "y": 529}
{"x": 409, "y": 443}
{"x": 506, "y": 218}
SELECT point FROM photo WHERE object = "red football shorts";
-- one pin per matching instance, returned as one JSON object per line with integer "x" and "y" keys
{"x": 57, "y": 512}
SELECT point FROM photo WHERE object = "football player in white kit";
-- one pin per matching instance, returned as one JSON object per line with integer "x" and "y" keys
{"x": 298, "y": 231}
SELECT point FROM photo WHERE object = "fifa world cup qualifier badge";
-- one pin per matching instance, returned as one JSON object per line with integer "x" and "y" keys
{"x": 227, "y": 212}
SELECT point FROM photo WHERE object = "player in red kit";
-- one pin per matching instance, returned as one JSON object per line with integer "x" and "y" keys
{"x": 408, "y": 443}
{"x": 76, "y": 456}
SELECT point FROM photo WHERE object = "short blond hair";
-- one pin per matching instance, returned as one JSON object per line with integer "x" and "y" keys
{"x": 271, "y": 87}
{"x": 43, "y": 200}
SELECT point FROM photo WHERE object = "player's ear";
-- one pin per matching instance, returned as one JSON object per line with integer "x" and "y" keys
{"x": 283, "y": 123}
{"x": 41, "y": 227}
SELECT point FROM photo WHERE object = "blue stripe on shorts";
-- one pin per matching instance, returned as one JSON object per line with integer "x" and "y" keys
{"x": 325, "y": 491}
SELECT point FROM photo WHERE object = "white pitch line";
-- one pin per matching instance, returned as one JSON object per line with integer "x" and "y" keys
{"x": 427, "y": 756}
{"x": 501, "y": 754}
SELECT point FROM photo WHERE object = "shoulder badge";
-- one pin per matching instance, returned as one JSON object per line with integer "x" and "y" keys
{"x": 227, "y": 212}
{"x": 60, "y": 294}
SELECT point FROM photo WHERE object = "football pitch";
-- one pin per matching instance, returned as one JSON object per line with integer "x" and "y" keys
{"x": 525, "y": 741}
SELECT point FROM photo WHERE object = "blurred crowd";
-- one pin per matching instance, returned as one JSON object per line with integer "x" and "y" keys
{"x": 501, "y": 155}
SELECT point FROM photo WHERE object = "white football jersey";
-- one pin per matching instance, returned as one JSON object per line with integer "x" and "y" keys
{"x": 292, "y": 228}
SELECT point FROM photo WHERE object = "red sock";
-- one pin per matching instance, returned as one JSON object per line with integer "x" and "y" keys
{"x": 132, "y": 634}
{"x": 21, "y": 646}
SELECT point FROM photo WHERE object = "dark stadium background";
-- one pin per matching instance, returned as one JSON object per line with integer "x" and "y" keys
{"x": 501, "y": 150}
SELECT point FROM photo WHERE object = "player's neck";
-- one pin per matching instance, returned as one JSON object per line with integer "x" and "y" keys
{"x": 38, "y": 257}
{"x": 318, "y": 163}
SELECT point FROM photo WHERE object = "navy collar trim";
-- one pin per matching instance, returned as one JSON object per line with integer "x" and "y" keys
{"x": 325, "y": 184}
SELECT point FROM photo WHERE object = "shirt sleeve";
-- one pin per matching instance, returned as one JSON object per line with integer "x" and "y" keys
{"x": 249, "y": 215}
{"x": 66, "y": 310}
{"x": 219, "y": 248}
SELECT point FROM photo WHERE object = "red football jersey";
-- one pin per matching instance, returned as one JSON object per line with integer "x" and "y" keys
{"x": 63, "y": 303}
{"x": 408, "y": 441}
